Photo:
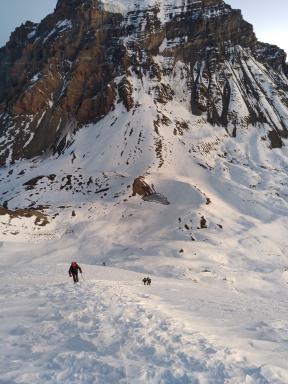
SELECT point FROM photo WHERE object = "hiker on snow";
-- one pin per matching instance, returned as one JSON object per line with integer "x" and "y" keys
{"x": 147, "y": 281}
{"x": 73, "y": 271}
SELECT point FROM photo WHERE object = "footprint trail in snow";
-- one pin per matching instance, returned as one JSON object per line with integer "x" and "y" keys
{"x": 110, "y": 332}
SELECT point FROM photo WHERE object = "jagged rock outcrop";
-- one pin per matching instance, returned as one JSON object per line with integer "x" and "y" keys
{"x": 141, "y": 188}
{"x": 125, "y": 90}
{"x": 73, "y": 67}
{"x": 40, "y": 218}
{"x": 211, "y": 2}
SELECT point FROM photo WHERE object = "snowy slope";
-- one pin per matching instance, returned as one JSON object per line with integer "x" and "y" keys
{"x": 111, "y": 329}
{"x": 217, "y": 308}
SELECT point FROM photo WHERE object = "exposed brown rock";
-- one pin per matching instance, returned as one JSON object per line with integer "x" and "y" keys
{"x": 40, "y": 218}
{"x": 163, "y": 93}
{"x": 203, "y": 223}
{"x": 92, "y": 109}
{"x": 141, "y": 188}
{"x": 125, "y": 90}
{"x": 153, "y": 69}
{"x": 275, "y": 139}
{"x": 59, "y": 75}
{"x": 181, "y": 127}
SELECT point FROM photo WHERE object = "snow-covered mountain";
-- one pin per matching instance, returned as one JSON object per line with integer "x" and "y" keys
{"x": 80, "y": 62}
{"x": 148, "y": 136}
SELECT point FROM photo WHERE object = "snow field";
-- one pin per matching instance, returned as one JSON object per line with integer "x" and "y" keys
{"x": 111, "y": 329}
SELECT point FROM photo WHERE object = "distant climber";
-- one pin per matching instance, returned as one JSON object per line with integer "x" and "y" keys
{"x": 147, "y": 281}
{"x": 73, "y": 271}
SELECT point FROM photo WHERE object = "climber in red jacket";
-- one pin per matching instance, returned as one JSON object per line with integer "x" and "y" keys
{"x": 73, "y": 271}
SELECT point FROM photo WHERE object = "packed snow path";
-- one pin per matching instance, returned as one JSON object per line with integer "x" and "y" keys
{"x": 113, "y": 330}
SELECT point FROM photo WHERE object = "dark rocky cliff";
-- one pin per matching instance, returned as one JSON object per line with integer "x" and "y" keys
{"x": 64, "y": 72}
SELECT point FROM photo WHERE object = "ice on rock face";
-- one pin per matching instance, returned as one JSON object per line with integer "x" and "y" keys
{"x": 126, "y": 6}
{"x": 165, "y": 8}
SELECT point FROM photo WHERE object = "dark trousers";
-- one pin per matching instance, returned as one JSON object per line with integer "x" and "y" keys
{"x": 75, "y": 277}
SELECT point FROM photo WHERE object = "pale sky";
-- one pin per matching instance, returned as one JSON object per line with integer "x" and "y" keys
{"x": 270, "y": 18}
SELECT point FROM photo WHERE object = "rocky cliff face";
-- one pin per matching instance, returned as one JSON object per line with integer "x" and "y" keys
{"x": 76, "y": 65}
